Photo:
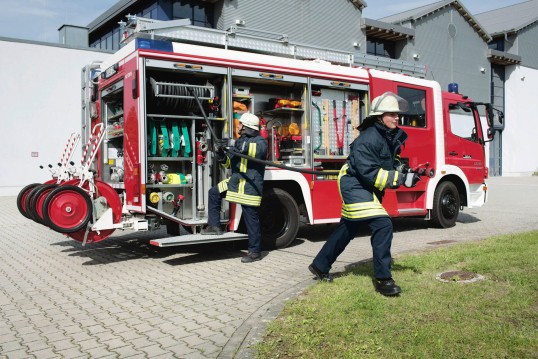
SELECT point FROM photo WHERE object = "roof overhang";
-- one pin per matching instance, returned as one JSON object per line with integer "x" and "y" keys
{"x": 359, "y": 4}
{"x": 502, "y": 58}
{"x": 386, "y": 31}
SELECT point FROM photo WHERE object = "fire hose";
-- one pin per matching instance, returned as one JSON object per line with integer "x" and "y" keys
{"x": 278, "y": 165}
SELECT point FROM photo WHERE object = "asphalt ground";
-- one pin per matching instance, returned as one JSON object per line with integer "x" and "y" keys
{"x": 122, "y": 298}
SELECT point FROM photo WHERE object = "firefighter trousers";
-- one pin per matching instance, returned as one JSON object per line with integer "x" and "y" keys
{"x": 380, "y": 240}
{"x": 250, "y": 216}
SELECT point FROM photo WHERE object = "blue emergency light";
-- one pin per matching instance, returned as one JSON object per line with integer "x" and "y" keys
{"x": 453, "y": 87}
{"x": 149, "y": 44}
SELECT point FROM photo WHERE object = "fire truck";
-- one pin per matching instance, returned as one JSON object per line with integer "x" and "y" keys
{"x": 153, "y": 112}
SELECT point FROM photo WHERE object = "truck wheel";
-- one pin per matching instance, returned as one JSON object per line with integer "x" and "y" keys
{"x": 67, "y": 209}
{"x": 446, "y": 205}
{"x": 279, "y": 217}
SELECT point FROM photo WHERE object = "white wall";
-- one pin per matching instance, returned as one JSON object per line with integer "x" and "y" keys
{"x": 520, "y": 144}
{"x": 40, "y": 106}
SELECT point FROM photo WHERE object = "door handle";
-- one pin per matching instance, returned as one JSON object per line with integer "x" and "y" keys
{"x": 453, "y": 153}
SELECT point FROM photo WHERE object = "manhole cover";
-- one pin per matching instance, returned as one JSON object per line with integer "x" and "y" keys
{"x": 446, "y": 241}
{"x": 459, "y": 276}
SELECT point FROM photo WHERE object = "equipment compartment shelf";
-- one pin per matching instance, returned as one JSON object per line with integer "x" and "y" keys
{"x": 179, "y": 159}
{"x": 283, "y": 111}
{"x": 189, "y": 185}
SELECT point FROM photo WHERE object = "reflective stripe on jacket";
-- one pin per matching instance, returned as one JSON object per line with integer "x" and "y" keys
{"x": 369, "y": 170}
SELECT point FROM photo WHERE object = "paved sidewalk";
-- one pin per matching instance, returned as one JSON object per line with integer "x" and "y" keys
{"x": 124, "y": 298}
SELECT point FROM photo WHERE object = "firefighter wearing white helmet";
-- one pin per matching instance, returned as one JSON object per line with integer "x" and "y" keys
{"x": 372, "y": 166}
{"x": 244, "y": 187}
{"x": 250, "y": 120}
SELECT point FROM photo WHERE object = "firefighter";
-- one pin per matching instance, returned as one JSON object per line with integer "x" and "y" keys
{"x": 372, "y": 166}
{"x": 245, "y": 186}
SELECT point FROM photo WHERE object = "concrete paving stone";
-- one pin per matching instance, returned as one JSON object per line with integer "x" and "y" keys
{"x": 105, "y": 336}
{"x": 119, "y": 328}
{"x": 154, "y": 351}
{"x": 37, "y": 345}
{"x": 53, "y": 336}
{"x": 191, "y": 326}
{"x": 100, "y": 352}
{"x": 11, "y": 345}
{"x": 198, "y": 355}
{"x": 18, "y": 354}
{"x": 142, "y": 328}
{"x": 154, "y": 334}
{"x": 219, "y": 339}
{"x": 127, "y": 351}
{"x": 45, "y": 354}
{"x": 140, "y": 342}
{"x": 73, "y": 329}
{"x": 193, "y": 340}
{"x": 208, "y": 349}
{"x": 94, "y": 329}
{"x": 80, "y": 337}
{"x": 180, "y": 350}
{"x": 62, "y": 345}
{"x": 114, "y": 343}
{"x": 129, "y": 335}
{"x": 88, "y": 344}
{"x": 204, "y": 332}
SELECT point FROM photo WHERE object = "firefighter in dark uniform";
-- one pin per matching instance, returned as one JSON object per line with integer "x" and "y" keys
{"x": 372, "y": 166}
{"x": 245, "y": 186}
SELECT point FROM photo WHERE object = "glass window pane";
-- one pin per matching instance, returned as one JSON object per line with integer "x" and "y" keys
{"x": 415, "y": 116}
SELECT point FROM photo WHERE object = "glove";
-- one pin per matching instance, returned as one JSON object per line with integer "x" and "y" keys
{"x": 403, "y": 168}
{"x": 411, "y": 179}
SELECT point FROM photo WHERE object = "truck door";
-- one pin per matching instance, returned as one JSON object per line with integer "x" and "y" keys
{"x": 464, "y": 144}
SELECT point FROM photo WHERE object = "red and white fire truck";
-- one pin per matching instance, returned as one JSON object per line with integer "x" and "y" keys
{"x": 153, "y": 111}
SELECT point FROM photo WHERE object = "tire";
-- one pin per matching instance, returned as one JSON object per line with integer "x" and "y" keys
{"x": 38, "y": 198}
{"x": 67, "y": 209}
{"x": 29, "y": 202}
{"x": 446, "y": 205}
{"x": 279, "y": 218}
{"x": 21, "y": 199}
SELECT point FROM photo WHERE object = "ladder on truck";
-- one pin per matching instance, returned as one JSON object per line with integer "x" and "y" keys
{"x": 259, "y": 41}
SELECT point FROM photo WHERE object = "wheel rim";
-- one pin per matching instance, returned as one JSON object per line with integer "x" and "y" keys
{"x": 449, "y": 205}
{"x": 68, "y": 209}
{"x": 114, "y": 202}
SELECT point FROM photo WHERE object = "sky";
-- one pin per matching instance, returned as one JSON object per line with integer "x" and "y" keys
{"x": 39, "y": 20}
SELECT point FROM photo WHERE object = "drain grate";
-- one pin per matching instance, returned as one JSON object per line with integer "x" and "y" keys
{"x": 459, "y": 276}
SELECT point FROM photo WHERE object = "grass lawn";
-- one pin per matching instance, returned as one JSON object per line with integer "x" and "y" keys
{"x": 492, "y": 318}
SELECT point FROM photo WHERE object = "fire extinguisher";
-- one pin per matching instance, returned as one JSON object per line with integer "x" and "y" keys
{"x": 263, "y": 132}
{"x": 275, "y": 137}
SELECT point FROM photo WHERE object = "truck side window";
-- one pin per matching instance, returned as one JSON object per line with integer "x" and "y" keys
{"x": 416, "y": 115}
{"x": 462, "y": 124}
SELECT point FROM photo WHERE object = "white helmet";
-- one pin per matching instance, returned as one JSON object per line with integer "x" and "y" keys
{"x": 250, "y": 120}
{"x": 388, "y": 102}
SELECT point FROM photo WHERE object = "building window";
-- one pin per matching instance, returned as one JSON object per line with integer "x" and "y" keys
{"x": 497, "y": 44}
{"x": 199, "y": 14}
{"x": 380, "y": 48}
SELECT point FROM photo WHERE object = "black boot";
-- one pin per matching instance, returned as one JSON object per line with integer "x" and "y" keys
{"x": 211, "y": 230}
{"x": 251, "y": 257}
{"x": 387, "y": 287}
{"x": 324, "y": 277}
